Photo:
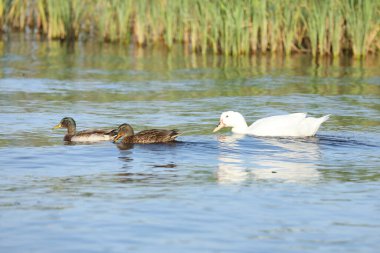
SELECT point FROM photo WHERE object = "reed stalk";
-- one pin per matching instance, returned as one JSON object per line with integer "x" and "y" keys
{"x": 41, "y": 16}
{"x": 361, "y": 19}
{"x": 214, "y": 24}
{"x": 336, "y": 29}
{"x": 289, "y": 23}
{"x": 2, "y": 11}
{"x": 274, "y": 28}
{"x": 315, "y": 15}
{"x": 123, "y": 14}
{"x": 139, "y": 22}
{"x": 263, "y": 22}
{"x": 16, "y": 13}
{"x": 154, "y": 26}
{"x": 170, "y": 21}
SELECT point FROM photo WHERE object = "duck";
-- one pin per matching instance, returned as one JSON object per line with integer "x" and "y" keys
{"x": 125, "y": 131}
{"x": 289, "y": 125}
{"x": 92, "y": 135}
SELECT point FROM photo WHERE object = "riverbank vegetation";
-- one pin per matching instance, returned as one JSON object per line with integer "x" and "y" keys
{"x": 230, "y": 27}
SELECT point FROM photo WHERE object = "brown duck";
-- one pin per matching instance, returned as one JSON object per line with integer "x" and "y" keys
{"x": 85, "y": 135}
{"x": 125, "y": 131}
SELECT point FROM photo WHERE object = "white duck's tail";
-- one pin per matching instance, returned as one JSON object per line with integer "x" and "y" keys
{"x": 311, "y": 125}
{"x": 324, "y": 118}
{"x": 319, "y": 123}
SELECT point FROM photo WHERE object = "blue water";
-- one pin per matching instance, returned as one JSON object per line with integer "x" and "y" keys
{"x": 205, "y": 193}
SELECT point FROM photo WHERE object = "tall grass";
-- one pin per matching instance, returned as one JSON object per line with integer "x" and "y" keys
{"x": 2, "y": 9}
{"x": 336, "y": 28}
{"x": 290, "y": 23}
{"x": 229, "y": 27}
{"x": 362, "y": 16}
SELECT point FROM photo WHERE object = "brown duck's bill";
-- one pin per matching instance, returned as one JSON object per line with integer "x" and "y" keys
{"x": 220, "y": 126}
{"x": 57, "y": 126}
{"x": 118, "y": 136}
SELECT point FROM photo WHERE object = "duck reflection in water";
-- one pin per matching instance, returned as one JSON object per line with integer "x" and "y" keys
{"x": 143, "y": 163}
{"x": 255, "y": 159}
{"x": 125, "y": 146}
{"x": 133, "y": 171}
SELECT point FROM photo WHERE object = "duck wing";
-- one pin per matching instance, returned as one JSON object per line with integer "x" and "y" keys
{"x": 281, "y": 125}
{"x": 98, "y": 131}
{"x": 155, "y": 136}
{"x": 94, "y": 135}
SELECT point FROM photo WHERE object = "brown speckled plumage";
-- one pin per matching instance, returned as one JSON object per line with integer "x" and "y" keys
{"x": 125, "y": 131}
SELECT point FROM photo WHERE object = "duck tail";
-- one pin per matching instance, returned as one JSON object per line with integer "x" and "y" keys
{"x": 324, "y": 118}
{"x": 174, "y": 134}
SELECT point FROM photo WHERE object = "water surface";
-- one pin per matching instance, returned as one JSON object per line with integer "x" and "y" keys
{"x": 206, "y": 193}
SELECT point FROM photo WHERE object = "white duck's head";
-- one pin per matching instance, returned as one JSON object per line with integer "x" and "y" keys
{"x": 231, "y": 119}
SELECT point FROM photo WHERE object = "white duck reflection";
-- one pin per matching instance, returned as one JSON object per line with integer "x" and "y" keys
{"x": 285, "y": 160}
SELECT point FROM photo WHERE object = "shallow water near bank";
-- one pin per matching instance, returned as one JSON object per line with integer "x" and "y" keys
{"x": 207, "y": 192}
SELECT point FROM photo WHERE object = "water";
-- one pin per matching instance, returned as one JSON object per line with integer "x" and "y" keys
{"x": 206, "y": 193}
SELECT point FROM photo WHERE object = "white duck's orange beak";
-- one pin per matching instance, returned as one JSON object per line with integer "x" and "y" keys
{"x": 220, "y": 126}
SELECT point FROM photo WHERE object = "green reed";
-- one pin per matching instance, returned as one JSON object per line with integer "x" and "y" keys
{"x": 361, "y": 17}
{"x": 229, "y": 27}
{"x": 290, "y": 18}
{"x": 2, "y": 10}
{"x": 336, "y": 28}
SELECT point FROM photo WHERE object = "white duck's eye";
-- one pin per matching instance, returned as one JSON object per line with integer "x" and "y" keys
{"x": 226, "y": 116}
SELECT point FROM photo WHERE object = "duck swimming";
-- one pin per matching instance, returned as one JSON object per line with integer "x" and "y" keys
{"x": 290, "y": 125}
{"x": 85, "y": 135}
{"x": 125, "y": 131}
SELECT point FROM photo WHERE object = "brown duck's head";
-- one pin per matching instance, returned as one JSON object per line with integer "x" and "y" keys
{"x": 124, "y": 130}
{"x": 68, "y": 123}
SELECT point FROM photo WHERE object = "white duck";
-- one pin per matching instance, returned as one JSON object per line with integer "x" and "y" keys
{"x": 290, "y": 125}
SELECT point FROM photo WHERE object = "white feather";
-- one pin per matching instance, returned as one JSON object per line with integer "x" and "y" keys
{"x": 91, "y": 138}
